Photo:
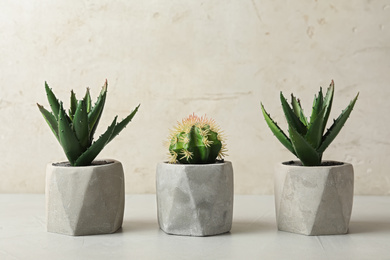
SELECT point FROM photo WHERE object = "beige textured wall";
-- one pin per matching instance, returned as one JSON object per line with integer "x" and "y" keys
{"x": 183, "y": 56}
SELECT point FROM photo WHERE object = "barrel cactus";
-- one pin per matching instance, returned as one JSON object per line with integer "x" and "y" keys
{"x": 196, "y": 140}
{"x": 306, "y": 135}
{"x": 75, "y": 130}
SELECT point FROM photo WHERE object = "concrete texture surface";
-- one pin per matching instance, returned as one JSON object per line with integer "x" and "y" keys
{"x": 314, "y": 200}
{"x": 220, "y": 58}
{"x": 195, "y": 200}
{"x": 87, "y": 200}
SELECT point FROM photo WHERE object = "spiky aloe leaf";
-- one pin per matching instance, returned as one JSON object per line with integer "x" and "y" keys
{"x": 314, "y": 132}
{"x": 73, "y": 104}
{"x": 80, "y": 124}
{"x": 292, "y": 119}
{"x": 90, "y": 154}
{"x": 50, "y": 119}
{"x": 280, "y": 135}
{"x": 121, "y": 125}
{"x": 317, "y": 106}
{"x": 304, "y": 151}
{"x": 328, "y": 100}
{"x": 88, "y": 100}
{"x": 68, "y": 139}
{"x": 96, "y": 111}
{"x": 336, "y": 126}
{"x": 298, "y": 110}
{"x": 53, "y": 101}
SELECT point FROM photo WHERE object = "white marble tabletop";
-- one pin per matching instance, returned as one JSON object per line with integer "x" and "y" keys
{"x": 253, "y": 236}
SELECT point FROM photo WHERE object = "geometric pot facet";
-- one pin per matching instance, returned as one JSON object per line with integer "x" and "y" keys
{"x": 85, "y": 200}
{"x": 314, "y": 200}
{"x": 195, "y": 199}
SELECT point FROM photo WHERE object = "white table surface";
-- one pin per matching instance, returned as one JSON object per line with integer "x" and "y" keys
{"x": 253, "y": 236}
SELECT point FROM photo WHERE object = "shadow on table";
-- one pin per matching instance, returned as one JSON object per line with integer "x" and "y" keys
{"x": 138, "y": 225}
{"x": 356, "y": 227}
{"x": 252, "y": 227}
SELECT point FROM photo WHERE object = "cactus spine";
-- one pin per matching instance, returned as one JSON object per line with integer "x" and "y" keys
{"x": 75, "y": 131}
{"x": 196, "y": 140}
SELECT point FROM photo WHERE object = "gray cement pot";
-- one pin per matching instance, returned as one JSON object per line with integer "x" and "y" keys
{"x": 195, "y": 200}
{"x": 86, "y": 200}
{"x": 313, "y": 200}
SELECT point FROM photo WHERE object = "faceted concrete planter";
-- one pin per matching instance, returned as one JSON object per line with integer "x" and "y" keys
{"x": 85, "y": 200}
{"x": 195, "y": 200}
{"x": 314, "y": 200}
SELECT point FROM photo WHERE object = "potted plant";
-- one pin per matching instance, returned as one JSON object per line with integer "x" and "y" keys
{"x": 312, "y": 197}
{"x": 195, "y": 189}
{"x": 83, "y": 196}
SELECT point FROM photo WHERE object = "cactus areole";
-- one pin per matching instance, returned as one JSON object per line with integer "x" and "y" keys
{"x": 196, "y": 140}
{"x": 75, "y": 130}
{"x": 306, "y": 135}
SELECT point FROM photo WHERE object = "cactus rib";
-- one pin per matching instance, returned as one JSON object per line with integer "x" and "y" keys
{"x": 196, "y": 140}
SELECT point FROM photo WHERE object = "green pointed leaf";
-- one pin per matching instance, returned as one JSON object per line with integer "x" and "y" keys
{"x": 53, "y": 101}
{"x": 317, "y": 106}
{"x": 80, "y": 124}
{"x": 336, "y": 126}
{"x": 328, "y": 100}
{"x": 96, "y": 112}
{"x": 88, "y": 101}
{"x": 304, "y": 151}
{"x": 89, "y": 155}
{"x": 280, "y": 135}
{"x": 73, "y": 105}
{"x": 67, "y": 137}
{"x": 292, "y": 119}
{"x": 50, "y": 119}
{"x": 296, "y": 105}
{"x": 315, "y": 132}
{"x": 121, "y": 125}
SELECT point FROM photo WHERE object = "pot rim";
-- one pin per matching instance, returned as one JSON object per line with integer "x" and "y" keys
{"x": 66, "y": 164}
{"x": 297, "y": 163}
{"x": 193, "y": 164}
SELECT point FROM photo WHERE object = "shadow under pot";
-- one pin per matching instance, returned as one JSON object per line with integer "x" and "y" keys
{"x": 85, "y": 200}
{"x": 314, "y": 200}
{"x": 195, "y": 199}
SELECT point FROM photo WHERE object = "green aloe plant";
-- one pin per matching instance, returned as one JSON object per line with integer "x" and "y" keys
{"x": 75, "y": 131}
{"x": 306, "y": 136}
